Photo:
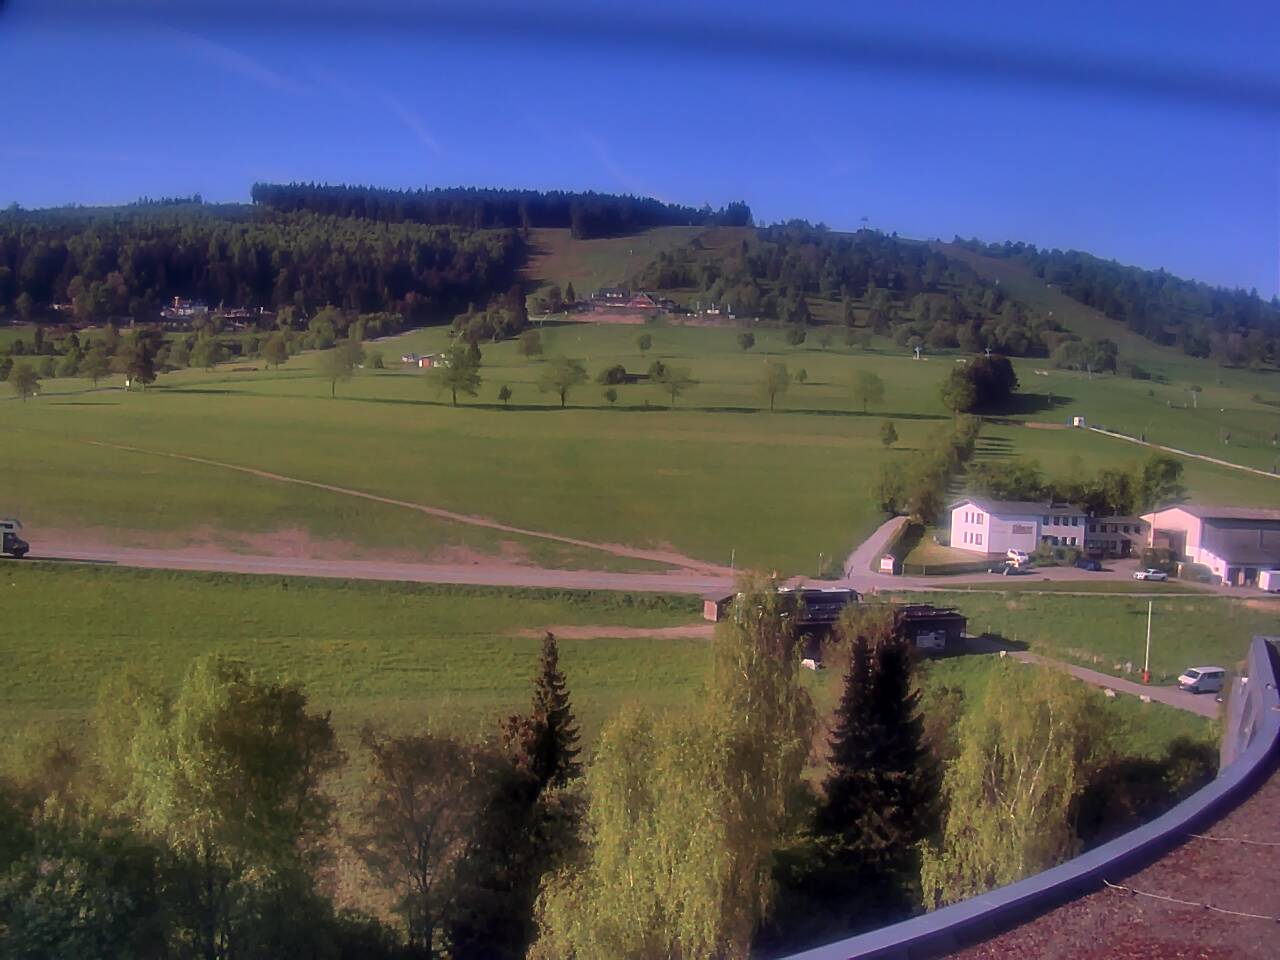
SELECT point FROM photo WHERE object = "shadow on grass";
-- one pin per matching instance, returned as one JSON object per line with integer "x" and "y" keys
{"x": 650, "y": 408}
{"x": 986, "y": 643}
{"x": 1022, "y": 404}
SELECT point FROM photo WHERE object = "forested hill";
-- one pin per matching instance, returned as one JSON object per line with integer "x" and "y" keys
{"x": 1234, "y": 327}
{"x": 871, "y": 282}
{"x": 588, "y": 214}
{"x": 131, "y": 260}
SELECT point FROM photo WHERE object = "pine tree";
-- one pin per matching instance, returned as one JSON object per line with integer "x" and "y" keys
{"x": 905, "y": 781}
{"x": 881, "y": 788}
{"x": 545, "y": 742}
{"x": 847, "y": 784}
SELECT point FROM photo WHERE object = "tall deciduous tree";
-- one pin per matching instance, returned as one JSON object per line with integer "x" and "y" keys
{"x": 746, "y": 340}
{"x": 775, "y": 380}
{"x": 560, "y": 376}
{"x": 339, "y": 363}
{"x": 276, "y": 351}
{"x": 229, "y": 776}
{"x": 684, "y": 816}
{"x": 1026, "y": 754}
{"x": 23, "y": 380}
{"x": 136, "y": 356}
{"x": 675, "y": 381}
{"x": 530, "y": 344}
{"x": 1160, "y": 481}
{"x": 458, "y": 371}
{"x": 208, "y": 353}
{"x": 644, "y": 342}
{"x": 868, "y": 388}
{"x": 888, "y": 433}
{"x": 420, "y": 809}
{"x": 96, "y": 366}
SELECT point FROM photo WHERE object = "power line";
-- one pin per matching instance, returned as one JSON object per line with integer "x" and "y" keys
{"x": 1191, "y": 903}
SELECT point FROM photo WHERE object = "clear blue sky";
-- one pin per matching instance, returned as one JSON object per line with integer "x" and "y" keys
{"x": 1147, "y": 133}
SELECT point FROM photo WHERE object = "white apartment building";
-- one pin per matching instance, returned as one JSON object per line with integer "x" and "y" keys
{"x": 993, "y": 527}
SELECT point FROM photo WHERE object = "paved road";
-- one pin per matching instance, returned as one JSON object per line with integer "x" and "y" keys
{"x": 1203, "y": 704}
{"x": 511, "y": 575}
{"x": 871, "y": 549}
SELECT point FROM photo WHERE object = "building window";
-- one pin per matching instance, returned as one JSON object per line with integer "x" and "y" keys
{"x": 1045, "y": 520}
{"x": 979, "y": 539}
{"x": 1093, "y": 528}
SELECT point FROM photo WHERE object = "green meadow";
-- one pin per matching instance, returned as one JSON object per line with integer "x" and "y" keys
{"x": 1103, "y": 631}
{"x": 716, "y": 477}
{"x": 400, "y": 654}
{"x": 461, "y": 658}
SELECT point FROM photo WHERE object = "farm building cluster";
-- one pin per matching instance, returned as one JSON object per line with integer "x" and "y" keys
{"x": 994, "y": 527}
{"x": 929, "y": 629}
{"x": 1239, "y": 546}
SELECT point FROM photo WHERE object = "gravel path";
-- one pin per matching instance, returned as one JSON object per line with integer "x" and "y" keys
{"x": 668, "y": 557}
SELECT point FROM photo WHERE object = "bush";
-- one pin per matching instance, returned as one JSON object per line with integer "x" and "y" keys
{"x": 612, "y": 376}
{"x": 375, "y": 361}
{"x": 1195, "y": 572}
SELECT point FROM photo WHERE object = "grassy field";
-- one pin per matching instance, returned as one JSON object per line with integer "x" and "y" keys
{"x": 705, "y": 478}
{"x": 559, "y": 259}
{"x": 717, "y": 477}
{"x": 394, "y": 653}
{"x": 1103, "y": 631}
{"x": 406, "y": 655}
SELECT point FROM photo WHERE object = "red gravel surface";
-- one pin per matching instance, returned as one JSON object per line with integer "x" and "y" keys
{"x": 1114, "y": 925}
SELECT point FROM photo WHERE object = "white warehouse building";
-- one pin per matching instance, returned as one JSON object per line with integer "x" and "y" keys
{"x": 994, "y": 527}
{"x": 1236, "y": 543}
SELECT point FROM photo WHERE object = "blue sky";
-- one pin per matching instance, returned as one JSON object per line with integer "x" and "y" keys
{"x": 1149, "y": 133}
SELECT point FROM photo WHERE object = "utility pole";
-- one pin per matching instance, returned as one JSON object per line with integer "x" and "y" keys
{"x": 733, "y": 553}
{"x": 1146, "y": 662}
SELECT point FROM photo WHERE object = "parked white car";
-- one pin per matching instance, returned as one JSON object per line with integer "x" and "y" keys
{"x": 1151, "y": 573}
{"x": 1018, "y": 558}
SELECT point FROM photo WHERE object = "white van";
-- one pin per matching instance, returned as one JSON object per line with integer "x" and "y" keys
{"x": 1202, "y": 679}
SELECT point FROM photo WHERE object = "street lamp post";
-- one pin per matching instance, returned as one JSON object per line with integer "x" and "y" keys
{"x": 1146, "y": 662}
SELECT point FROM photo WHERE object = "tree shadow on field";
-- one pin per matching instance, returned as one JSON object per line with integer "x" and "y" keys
{"x": 985, "y": 644}
{"x": 212, "y": 391}
{"x": 1022, "y": 404}
{"x": 84, "y": 403}
{"x": 993, "y": 448}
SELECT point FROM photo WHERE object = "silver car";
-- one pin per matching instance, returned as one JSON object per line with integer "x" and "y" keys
{"x": 1202, "y": 679}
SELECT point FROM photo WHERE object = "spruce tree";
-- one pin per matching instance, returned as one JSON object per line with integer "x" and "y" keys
{"x": 847, "y": 784}
{"x": 545, "y": 743}
{"x": 905, "y": 780}
{"x": 881, "y": 788}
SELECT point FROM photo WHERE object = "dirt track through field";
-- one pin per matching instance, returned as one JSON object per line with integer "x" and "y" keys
{"x": 689, "y": 631}
{"x": 667, "y": 557}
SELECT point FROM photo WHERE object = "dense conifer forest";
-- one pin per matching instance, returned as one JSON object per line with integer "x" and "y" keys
{"x": 587, "y": 214}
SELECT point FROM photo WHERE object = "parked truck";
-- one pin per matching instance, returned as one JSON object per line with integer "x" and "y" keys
{"x": 1269, "y": 580}
{"x": 10, "y": 543}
